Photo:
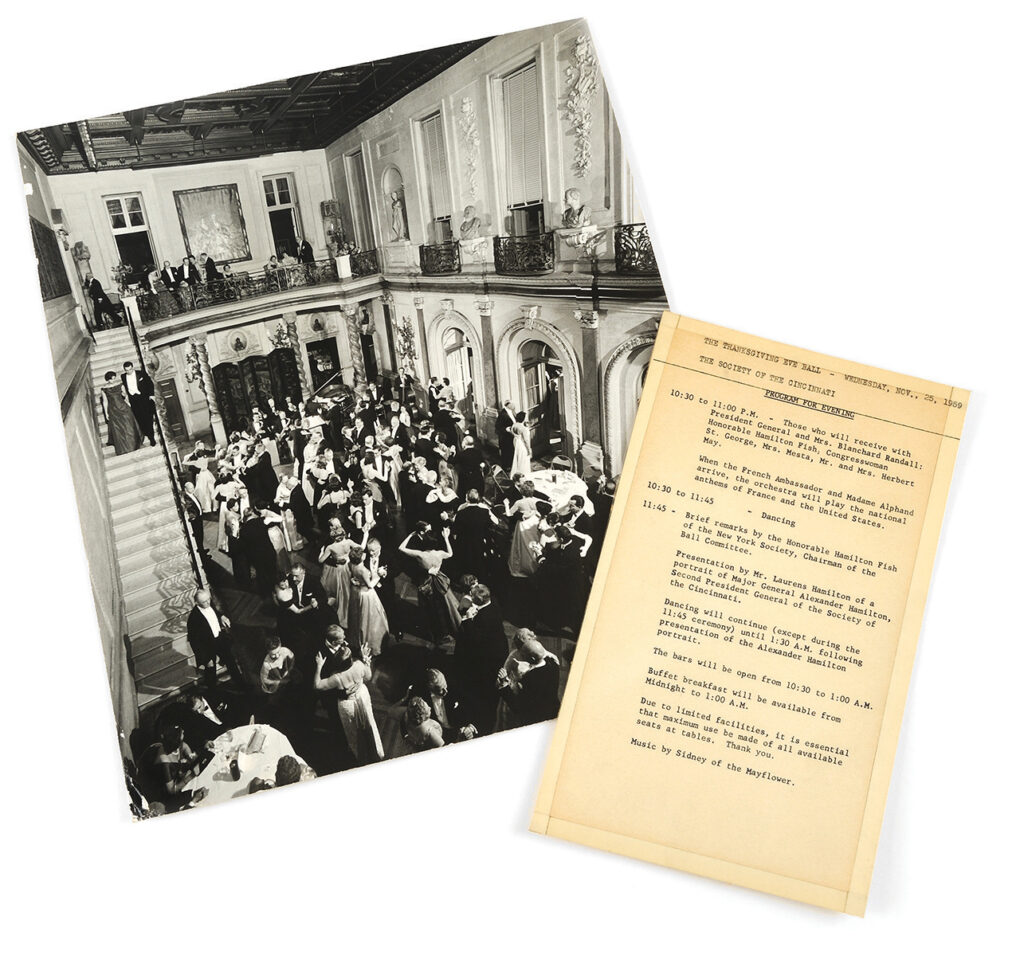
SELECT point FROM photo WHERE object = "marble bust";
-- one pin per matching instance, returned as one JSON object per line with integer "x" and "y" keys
{"x": 576, "y": 213}
{"x": 469, "y": 230}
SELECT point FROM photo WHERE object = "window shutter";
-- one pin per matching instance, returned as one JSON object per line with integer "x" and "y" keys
{"x": 523, "y": 136}
{"x": 436, "y": 163}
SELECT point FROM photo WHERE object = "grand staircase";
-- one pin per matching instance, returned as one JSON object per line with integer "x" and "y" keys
{"x": 157, "y": 579}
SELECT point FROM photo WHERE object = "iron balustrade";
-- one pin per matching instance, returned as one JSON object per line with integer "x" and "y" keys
{"x": 633, "y": 251}
{"x": 525, "y": 254}
{"x": 161, "y": 303}
{"x": 193, "y": 550}
{"x": 443, "y": 258}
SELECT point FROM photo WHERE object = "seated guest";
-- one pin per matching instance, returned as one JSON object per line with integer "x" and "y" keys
{"x": 527, "y": 683}
{"x": 271, "y": 267}
{"x": 167, "y": 768}
{"x": 199, "y": 723}
{"x": 169, "y": 277}
{"x": 209, "y": 637}
{"x": 290, "y": 771}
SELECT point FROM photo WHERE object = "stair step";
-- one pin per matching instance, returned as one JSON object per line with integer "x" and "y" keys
{"x": 121, "y": 466}
{"x": 170, "y": 613}
{"x": 156, "y": 545}
{"x": 146, "y": 489}
{"x": 159, "y": 501}
{"x": 131, "y": 482}
{"x": 144, "y": 523}
{"x": 159, "y": 649}
{"x": 153, "y": 572}
{"x": 159, "y": 591}
{"x": 165, "y": 685}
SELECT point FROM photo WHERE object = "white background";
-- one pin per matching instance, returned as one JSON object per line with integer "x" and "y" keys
{"x": 847, "y": 178}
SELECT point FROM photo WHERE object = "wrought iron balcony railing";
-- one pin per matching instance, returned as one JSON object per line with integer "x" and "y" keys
{"x": 161, "y": 303}
{"x": 525, "y": 254}
{"x": 633, "y": 251}
{"x": 364, "y": 262}
{"x": 443, "y": 258}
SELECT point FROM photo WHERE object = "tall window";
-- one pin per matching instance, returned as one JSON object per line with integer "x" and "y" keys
{"x": 359, "y": 200}
{"x": 283, "y": 212}
{"x": 523, "y": 147}
{"x": 435, "y": 176}
{"x": 458, "y": 362}
{"x": 131, "y": 233}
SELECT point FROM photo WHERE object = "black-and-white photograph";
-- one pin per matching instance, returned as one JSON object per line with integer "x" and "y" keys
{"x": 347, "y": 364}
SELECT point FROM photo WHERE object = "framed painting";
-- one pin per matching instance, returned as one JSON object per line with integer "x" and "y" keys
{"x": 211, "y": 221}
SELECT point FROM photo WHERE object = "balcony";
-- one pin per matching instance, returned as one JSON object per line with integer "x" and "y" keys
{"x": 525, "y": 254}
{"x": 443, "y": 258}
{"x": 161, "y": 304}
{"x": 633, "y": 252}
{"x": 364, "y": 263}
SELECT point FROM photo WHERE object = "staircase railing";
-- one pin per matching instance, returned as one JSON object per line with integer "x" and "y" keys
{"x": 186, "y": 528}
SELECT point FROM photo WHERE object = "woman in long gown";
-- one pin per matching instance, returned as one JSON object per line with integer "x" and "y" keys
{"x": 123, "y": 430}
{"x": 293, "y": 539}
{"x": 336, "y": 577}
{"x": 522, "y": 558}
{"x": 339, "y": 671}
{"x": 228, "y": 488}
{"x": 367, "y": 620}
{"x": 522, "y": 462}
{"x": 436, "y": 598}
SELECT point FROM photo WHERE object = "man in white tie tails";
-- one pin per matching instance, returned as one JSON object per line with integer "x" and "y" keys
{"x": 139, "y": 387}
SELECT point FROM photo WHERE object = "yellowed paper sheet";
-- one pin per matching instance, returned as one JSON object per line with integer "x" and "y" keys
{"x": 735, "y": 700}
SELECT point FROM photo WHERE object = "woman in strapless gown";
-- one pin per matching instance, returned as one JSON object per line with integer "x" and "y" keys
{"x": 436, "y": 598}
{"x": 525, "y": 550}
{"x": 336, "y": 577}
{"x": 123, "y": 430}
{"x": 367, "y": 620}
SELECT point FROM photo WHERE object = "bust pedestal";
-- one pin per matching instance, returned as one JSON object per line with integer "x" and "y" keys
{"x": 343, "y": 262}
{"x": 580, "y": 245}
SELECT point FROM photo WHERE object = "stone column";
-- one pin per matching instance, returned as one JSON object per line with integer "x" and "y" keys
{"x": 591, "y": 451}
{"x": 387, "y": 300}
{"x": 197, "y": 344}
{"x": 291, "y": 323}
{"x": 489, "y": 364}
{"x": 421, "y": 328}
{"x": 350, "y": 313}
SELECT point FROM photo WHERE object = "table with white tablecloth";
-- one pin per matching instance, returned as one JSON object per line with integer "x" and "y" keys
{"x": 216, "y": 777}
{"x": 556, "y": 485}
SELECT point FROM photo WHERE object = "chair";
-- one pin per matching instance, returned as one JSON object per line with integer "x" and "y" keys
{"x": 501, "y": 480}
{"x": 561, "y": 462}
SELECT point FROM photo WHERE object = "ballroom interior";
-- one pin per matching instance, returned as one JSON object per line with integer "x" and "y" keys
{"x": 432, "y": 190}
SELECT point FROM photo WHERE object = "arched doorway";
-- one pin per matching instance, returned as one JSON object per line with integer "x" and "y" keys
{"x": 625, "y": 376}
{"x": 540, "y": 387}
{"x": 457, "y": 352}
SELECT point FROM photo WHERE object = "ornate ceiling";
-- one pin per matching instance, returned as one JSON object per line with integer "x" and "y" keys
{"x": 299, "y": 113}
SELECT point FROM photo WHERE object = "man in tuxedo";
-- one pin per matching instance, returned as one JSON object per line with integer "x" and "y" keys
{"x": 194, "y": 514}
{"x": 101, "y": 304}
{"x": 209, "y": 637}
{"x": 139, "y": 387}
{"x": 306, "y": 628}
{"x": 169, "y": 277}
{"x": 471, "y": 536}
{"x": 305, "y": 250}
{"x": 480, "y": 651}
{"x": 503, "y": 424}
{"x": 433, "y": 395}
{"x": 188, "y": 273}
{"x": 259, "y": 550}
{"x": 210, "y": 267}
{"x": 470, "y": 465}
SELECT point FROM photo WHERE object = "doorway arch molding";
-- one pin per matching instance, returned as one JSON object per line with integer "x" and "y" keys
{"x": 532, "y": 328}
{"x": 614, "y": 419}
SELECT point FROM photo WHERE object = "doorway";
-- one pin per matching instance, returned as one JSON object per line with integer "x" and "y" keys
{"x": 324, "y": 362}
{"x": 458, "y": 369}
{"x": 282, "y": 227}
{"x": 540, "y": 382}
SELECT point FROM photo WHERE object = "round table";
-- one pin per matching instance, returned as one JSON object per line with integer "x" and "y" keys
{"x": 558, "y": 490}
{"x": 216, "y": 777}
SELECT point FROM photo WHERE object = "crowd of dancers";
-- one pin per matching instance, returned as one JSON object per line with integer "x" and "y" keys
{"x": 411, "y": 576}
